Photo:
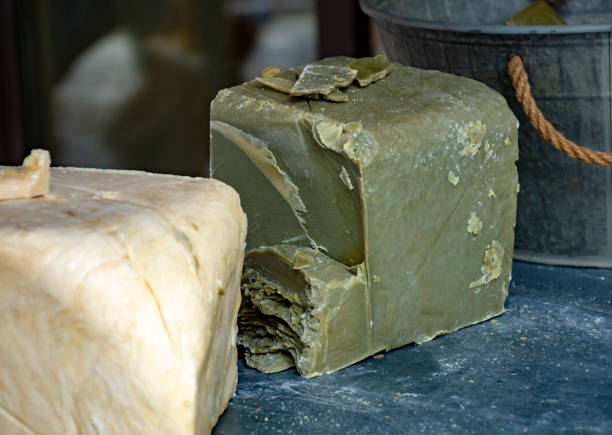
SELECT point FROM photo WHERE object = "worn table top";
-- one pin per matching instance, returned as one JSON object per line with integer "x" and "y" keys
{"x": 544, "y": 366}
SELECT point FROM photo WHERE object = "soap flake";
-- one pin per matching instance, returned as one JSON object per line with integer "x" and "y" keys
{"x": 277, "y": 83}
{"x": 322, "y": 79}
{"x": 336, "y": 96}
{"x": 371, "y": 69}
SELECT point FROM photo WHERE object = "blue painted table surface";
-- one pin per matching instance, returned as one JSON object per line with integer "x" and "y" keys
{"x": 542, "y": 367}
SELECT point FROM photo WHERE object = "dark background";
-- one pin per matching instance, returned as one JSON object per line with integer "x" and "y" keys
{"x": 127, "y": 85}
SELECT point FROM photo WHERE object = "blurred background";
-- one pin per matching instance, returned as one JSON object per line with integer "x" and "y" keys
{"x": 128, "y": 84}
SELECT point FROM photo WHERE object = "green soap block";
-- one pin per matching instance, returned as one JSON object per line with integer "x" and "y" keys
{"x": 539, "y": 13}
{"x": 412, "y": 181}
{"x": 302, "y": 308}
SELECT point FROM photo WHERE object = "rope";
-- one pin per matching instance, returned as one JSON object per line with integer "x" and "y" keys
{"x": 522, "y": 89}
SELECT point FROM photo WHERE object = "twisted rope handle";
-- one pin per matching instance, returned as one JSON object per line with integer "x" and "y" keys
{"x": 522, "y": 90}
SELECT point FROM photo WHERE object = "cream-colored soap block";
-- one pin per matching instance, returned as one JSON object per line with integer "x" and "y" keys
{"x": 119, "y": 292}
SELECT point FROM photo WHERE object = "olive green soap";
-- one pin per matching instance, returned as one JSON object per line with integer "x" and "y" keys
{"x": 300, "y": 307}
{"x": 391, "y": 213}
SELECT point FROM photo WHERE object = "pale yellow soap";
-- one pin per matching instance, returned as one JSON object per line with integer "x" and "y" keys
{"x": 29, "y": 180}
{"x": 119, "y": 292}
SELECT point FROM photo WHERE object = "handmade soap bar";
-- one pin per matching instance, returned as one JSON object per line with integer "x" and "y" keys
{"x": 119, "y": 294}
{"x": 410, "y": 185}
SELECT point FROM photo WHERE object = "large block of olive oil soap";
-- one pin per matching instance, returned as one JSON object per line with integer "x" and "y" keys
{"x": 381, "y": 201}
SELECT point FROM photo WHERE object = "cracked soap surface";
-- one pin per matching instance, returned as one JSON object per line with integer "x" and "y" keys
{"x": 319, "y": 309}
{"x": 388, "y": 182}
{"x": 119, "y": 301}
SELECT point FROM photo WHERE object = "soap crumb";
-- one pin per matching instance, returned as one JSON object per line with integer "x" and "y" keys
{"x": 517, "y": 188}
{"x": 375, "y": 278}
{"x": 507, "y": 141}
{"x": 28, "y": 181}
{"x": 492, "y": 267}
{"x": 523, "y": 338}
{"x": 491, "y": 193}
{"x": 487, "y": 146}
{"x": 476, "y": 132}
{"x": 452, "y": 178}
{"x": 470, "y": 149}
{"x": 270, "y": 71}
{"x": 474, "y": 224}
{"x": 470, "y": 136}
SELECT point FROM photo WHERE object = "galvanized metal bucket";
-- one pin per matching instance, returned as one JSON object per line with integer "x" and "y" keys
{"x": 565, "y": 206}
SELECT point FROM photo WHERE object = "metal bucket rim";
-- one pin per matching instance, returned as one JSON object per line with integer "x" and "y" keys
{"x": 493, "y": 29}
